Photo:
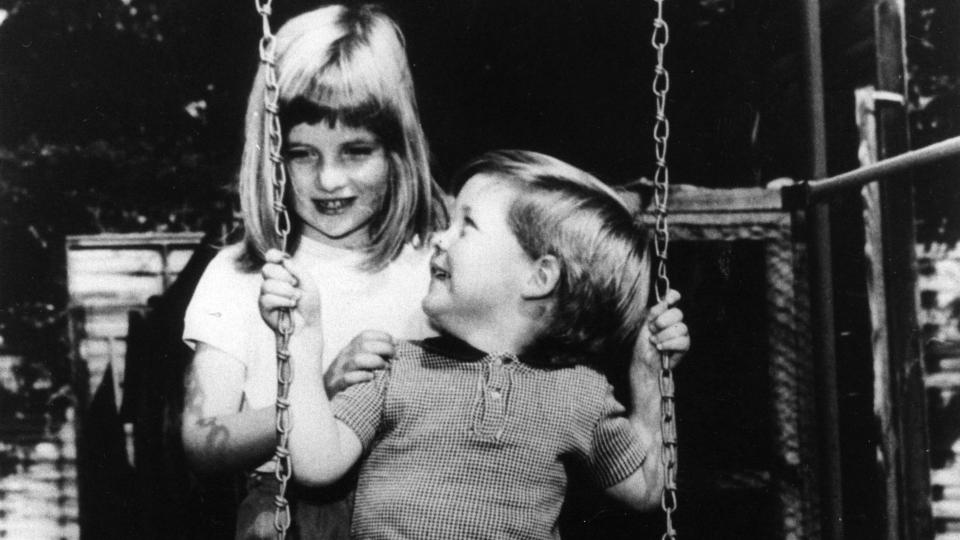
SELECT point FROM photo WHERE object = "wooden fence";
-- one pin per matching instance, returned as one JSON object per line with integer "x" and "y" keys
{"x": 108, "y": 276}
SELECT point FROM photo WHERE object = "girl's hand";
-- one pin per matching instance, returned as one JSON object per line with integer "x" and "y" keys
{"x": 368, "y": 351}
{"x": 287, "y": 286}
{"x": 663, "y": 330}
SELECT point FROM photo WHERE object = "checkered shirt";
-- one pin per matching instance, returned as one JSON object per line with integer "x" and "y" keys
{"x": 464, "y": 444}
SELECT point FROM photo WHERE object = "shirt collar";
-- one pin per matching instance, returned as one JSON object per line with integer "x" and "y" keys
{"x": 447, "y": 345}
{"x": 454, "y": 347}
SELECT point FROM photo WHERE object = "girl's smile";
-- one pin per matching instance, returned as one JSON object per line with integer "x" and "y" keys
{"x": 333, "y": 207}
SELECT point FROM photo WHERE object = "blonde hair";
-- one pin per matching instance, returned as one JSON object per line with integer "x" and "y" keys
{"x": 560, "y": 210}
{"x": 350, "y": 63}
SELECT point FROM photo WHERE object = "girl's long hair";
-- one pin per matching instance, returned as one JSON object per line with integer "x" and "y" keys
{"x": 350, "y": 64}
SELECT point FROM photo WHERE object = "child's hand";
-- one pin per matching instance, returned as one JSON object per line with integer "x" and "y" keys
{"x": 287, "y": 286}
{"x": 663, "y": 330}
{"x": 367, "y": 352}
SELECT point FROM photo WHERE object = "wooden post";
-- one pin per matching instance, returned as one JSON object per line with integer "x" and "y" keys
{"x": 887, "y": 446}
{"x": 909, "y": 505}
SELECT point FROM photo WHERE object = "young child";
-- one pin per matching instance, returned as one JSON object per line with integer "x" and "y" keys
{"x": 362, "y": 203}
{"x": 541, "y": 277}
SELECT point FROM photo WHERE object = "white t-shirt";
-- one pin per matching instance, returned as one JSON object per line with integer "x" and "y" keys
{"x": 224, "y": 313}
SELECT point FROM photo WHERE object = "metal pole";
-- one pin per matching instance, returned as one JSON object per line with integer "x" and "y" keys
{"x": 892, "y": 169}
{"x": 818, "y": 218}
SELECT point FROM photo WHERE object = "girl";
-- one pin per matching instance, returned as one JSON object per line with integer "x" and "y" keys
{"x": 361, "y": 200}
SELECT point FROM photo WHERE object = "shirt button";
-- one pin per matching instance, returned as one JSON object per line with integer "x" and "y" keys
{"x": 497, "y": 361}
{"x": 495, "y": 394}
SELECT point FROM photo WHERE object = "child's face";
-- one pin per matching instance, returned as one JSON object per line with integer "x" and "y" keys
{"x": 478, "y": 268}
{"x": 339, "y": 177}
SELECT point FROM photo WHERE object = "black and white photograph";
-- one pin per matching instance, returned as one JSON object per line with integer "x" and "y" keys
{"x": 480, "y": 269}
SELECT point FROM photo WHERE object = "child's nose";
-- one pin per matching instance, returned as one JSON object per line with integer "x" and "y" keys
{"x": 331, "y": 177}
{"x": 440, "y": 239}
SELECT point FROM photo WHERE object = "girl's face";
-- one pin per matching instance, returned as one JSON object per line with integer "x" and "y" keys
{"x": 339, "y": 177}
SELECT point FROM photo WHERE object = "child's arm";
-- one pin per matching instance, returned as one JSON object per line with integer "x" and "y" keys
{"x": 322, "y": 449}
{"x": 216, "y": 437}
{"x": 664, "y": 331}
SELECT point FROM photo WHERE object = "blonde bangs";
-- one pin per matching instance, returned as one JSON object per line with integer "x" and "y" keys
{"x": 342, "y": 70}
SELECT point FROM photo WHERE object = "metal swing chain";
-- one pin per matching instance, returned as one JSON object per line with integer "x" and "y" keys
{"x": 274, "y": 143}
{"x": 661, "y": 181}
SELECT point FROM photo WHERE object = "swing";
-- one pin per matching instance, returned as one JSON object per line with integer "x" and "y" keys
{"x": 661, "y": 134}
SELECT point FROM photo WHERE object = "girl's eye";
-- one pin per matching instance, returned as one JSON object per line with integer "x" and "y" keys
{"x": 360, "y": 151}
{"x": 302, "y": 155}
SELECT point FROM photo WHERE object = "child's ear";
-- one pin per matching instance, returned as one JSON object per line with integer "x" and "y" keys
{"x": 543, "y": 279}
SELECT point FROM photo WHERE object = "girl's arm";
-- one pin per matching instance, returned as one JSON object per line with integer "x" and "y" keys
{"x": 664, "y": 331}
{"x": 366, "y": 353}
{"x": 216, "y": 436}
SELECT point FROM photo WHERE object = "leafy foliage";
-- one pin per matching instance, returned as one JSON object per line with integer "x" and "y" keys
{"x": 934, "y": 83}
{"x": 106, "y": 130}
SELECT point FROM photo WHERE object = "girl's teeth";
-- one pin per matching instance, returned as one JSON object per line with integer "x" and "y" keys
{"x": 331, "y": 205}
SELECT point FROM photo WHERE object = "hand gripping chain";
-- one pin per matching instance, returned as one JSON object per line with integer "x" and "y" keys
{"x": 661, "y": 180}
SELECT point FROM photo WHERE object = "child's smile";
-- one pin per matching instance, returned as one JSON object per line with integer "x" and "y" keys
{"x": 333, "y": 207}
{"x": 437, "y": 270}
{"x": 478, "y": 268}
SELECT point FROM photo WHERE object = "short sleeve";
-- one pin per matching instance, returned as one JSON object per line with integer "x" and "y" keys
{"x": 617, "y": 451}
{"x": 361, "y": 406}
{"x": 223, "y": 307}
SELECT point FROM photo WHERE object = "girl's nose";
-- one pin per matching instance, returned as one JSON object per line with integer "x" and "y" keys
{"x": 331, "y": 177}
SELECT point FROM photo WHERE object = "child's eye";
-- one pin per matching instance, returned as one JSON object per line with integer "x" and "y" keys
{"x": 467, "y": 224}
{"x": 360, "y": 151}
{"x": 302, "y": 155}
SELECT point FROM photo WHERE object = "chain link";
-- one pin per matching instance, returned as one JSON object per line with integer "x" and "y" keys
{"x": 281, "y": 458}
{"x": 661, "y": 242}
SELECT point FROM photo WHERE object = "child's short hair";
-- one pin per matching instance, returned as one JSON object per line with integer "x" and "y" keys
{"x": 344, "y": 64}
{"x": 563, "y": 211}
